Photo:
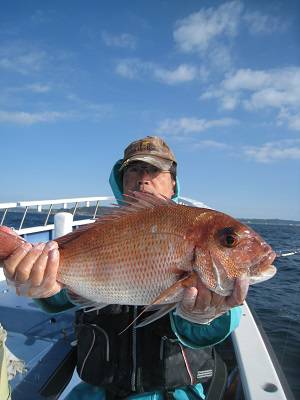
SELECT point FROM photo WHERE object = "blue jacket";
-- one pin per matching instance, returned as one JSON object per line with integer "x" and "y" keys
{"x": 190, "y": 334}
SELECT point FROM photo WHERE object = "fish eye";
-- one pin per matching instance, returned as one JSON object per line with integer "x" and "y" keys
{"x": 228, "y": 238}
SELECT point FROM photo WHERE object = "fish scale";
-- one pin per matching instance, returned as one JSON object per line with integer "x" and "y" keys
{"x": 127, "y": 271}
{"x": 149, "y": 250}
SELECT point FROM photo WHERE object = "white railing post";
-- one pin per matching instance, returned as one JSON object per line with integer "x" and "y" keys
{"x": 63, "y": 223}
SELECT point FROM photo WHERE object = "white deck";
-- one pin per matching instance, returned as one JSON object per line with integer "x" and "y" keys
{"x": 258, "y": 374}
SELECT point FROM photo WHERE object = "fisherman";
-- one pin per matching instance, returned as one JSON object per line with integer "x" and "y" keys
{"x": 170, "y": 358}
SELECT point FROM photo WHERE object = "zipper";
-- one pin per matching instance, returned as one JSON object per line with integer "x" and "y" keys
{"x": 161, "y": 347}
{"x": 133, "y": 374}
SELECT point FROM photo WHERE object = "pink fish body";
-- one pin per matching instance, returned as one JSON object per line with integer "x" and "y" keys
{"x": 142, "y": 250}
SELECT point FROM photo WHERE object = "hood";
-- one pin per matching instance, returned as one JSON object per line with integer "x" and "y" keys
{"x": 116, "y": 184}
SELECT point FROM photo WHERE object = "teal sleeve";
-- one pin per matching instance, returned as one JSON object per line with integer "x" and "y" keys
{"x": 57, "y": 303}
{"x": 197, "y": 335}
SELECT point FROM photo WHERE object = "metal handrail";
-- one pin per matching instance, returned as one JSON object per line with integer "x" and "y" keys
{"x": 40, "y": 203}
{"x": 6, "y": 207}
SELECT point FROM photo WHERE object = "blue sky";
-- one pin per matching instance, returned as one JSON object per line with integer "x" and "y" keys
{"x": 219, "y": 81}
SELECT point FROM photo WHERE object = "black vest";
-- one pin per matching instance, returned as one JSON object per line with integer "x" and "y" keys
{"x": 138, "y": 360}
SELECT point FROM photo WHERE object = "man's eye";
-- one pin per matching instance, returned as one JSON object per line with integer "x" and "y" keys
{"x": 153, "y": 170}
{"x": 131, "y": 170}
{"x": 134, "y": 169}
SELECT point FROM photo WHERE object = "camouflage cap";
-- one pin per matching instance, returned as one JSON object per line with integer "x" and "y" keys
{"x": 152, "y": 150}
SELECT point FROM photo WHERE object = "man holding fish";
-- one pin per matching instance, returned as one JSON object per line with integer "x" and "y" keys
{"x": 190, "y": 267}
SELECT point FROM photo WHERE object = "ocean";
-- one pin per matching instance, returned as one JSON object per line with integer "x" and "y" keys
{"x": 276, "y": 302}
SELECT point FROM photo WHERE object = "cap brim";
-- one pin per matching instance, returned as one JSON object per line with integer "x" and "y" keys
{"x": 158, "y": 162}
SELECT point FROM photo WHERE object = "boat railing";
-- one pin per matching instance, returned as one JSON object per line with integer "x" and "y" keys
{"x": 259, "y": 376}
{"x": 52, "y": 206}
{"x": 71, "y": 204}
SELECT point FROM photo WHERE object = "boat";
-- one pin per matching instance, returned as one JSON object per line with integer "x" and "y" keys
{"x": 247, "y": 369}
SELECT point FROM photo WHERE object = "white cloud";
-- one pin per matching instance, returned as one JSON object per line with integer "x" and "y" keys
{"x": 27, "y": 118}
{"x": 21, "y": 58}
{"x": 124, "y": 40}
{"x": 136, "y": 69}
{"x": 291, "y": 119}
{"x": 268, "y": 97}
{"x": 34, "y": 88}
{"x": 42, "y": 16}
{"x": 84, "y": 109}
{"x": 212, "y": 144}
{"x": 229, "y": 102}
{"x": 278, "y": 89}
{"x": 219, "y": 57}
{"x": 132, "y": 68}
{"x": 246, "y": 79}
{"x": 38, "y": 88}
{"x": 211, "y": 32}
{"x": 196, "y": 32}
{"x": 192, "y": 125}
{"x": 294, "y": 122}
{"x": 253, "y": 80}
{"x": 274, "y": 151}
{"x": 263, "y": 24}
{"x": 183, "y": 73}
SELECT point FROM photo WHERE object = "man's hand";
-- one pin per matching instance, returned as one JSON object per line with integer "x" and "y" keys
{"x": 201, "y": 305}
{"x": 32, "y": 269}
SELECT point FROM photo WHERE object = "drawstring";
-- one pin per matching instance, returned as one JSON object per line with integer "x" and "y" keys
{"x": 187, "y": 365}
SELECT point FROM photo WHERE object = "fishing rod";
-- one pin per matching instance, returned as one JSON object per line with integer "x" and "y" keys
{"x": 287, "y": 253}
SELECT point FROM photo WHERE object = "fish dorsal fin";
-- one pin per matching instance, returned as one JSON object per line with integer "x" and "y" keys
{"x": 138, "y": 201}
{"x": 143, "y": 200}
{"x": 131, "y": 203}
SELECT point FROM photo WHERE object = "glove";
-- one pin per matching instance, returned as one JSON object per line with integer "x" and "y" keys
{"x": 201, "y": 305}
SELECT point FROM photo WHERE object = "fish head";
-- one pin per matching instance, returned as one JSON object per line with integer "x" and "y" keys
{"x": 226, "y": 249}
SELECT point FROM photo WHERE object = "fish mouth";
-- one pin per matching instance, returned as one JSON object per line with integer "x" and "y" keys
{"x": 263, "y": 269}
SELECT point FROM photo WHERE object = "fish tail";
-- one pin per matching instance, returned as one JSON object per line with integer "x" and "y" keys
{"x": 9, "y": 241}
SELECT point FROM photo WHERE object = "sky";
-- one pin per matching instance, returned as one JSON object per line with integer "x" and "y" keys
{"x": 218, "y": 80}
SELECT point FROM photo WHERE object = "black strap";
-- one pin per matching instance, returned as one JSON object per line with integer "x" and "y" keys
{"x": 61, "y": 376}
{"x": 218, "y": 383}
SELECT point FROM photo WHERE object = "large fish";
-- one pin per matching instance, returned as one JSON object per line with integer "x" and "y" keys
{"x": 149, "y": 250}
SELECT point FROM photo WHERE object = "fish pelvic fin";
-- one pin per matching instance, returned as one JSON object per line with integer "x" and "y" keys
{"x": 83, "y": 303}
{"x": 9, "y": 241}
{"x": 158, "y": 314}
{"x": 168, "y": 299}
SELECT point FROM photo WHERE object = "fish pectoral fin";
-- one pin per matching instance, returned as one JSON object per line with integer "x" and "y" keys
{"x": 168, "y": 297}
{"x": 156, "y": 315}
{"x": 172, "y": 293}
{"x": 82, "y": 302}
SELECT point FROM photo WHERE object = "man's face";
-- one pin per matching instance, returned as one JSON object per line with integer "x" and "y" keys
{"x": 143, "y": 177}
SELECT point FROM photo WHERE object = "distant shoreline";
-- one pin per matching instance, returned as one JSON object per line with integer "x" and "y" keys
{"x": 269, "y": 221}
{"x": 90, "y": 211}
